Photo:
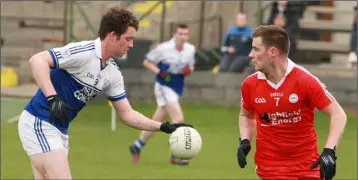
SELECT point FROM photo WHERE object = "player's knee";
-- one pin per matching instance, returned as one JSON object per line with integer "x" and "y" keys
{"x": 175, "y": 112}
{"x": 159, "y": 114}
{"x": 160, "y": 110}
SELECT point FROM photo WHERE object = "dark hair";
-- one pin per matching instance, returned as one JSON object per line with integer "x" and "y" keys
{"x": 181, "y": 26}
{"x": 117, "y": 20}
{"x": 273, "y": 36}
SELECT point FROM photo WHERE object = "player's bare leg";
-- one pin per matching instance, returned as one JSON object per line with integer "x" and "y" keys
{"x": 51, "y": 165}
{"x": 159, "y": 115}
{"x": 176, "y": 115}
{"x": 175, "y": 112}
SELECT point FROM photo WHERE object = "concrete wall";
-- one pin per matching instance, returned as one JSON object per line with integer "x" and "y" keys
{"x": 223, "y": 89}
{"x": 184, "y": 11}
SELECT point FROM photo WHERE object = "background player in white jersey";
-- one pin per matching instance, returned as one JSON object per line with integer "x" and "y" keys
{"x": 171, "y": 61}
{"x": 70, "y": 76}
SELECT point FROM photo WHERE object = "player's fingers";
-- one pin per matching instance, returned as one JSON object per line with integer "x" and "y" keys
{"x": 50, "y": 118}
{"x": 53, "y": 115}
{"x": 242, "y": 159}
{"x": 322, "y": 170}
{"x": 64, "y": 117}
{"x": 242, "y": 165}
{"x": 62, "y": 113}
{"x": 329, "y": 172}
{"x": 334, "y": 170}
{"x": 315, "y": 164}
{"x": 238, "y": 158}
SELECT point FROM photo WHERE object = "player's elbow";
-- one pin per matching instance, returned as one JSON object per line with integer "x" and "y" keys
{"x": 40, "y": 59}
{"x": 34, "y": 59}
{"x": 246, "y": 114}
{"x": 147, "y": 63}
{"x": 340, "y": 115}
{"x": 127, "y": 116}
{"x": 124, "y": 116}
{"x": 35, "y": 62}
{"x": 343, "y": 116}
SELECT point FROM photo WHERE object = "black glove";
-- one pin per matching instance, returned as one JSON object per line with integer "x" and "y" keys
{"x": 58, "y": 109}
{"x": 327, "y": 164}
{"x": 242, "y": 152}
{"x": 170, "y": 128}
{"x": 165, "y": 75}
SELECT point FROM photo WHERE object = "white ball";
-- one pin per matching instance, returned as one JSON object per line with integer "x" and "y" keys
{"x": 185, "y": 143}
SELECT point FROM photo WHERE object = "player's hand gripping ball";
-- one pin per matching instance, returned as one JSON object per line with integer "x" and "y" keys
{"x": 185, "y": 143}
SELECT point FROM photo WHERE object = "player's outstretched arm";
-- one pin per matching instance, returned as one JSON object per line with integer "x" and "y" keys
{"x": 133, "y": 118}
{"x": 40, "y": 65}
{"x": 136, "y": 120}
{"x": 337, "y": 124}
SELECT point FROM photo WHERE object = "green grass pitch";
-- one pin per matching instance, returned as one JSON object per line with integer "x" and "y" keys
{"x": 98, "y": 153}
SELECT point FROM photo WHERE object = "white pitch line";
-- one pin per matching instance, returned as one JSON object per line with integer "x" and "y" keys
{"x": 14, "y": 119}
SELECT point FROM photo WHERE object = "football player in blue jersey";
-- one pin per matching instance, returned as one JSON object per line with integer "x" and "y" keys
{"x": 68, "y": 77}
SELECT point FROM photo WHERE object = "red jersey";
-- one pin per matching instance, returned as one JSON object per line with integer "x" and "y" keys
{"x": 284, "y": 114}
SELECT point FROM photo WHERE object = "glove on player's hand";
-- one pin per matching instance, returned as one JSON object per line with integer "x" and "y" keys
{"x": 186, "y": 71}
{"x": 165, "y": 75}
{"x": 242, "y": 152}
{"x": 58, "y": 109}
{"x": 327, "y": 164}
{"x": 170, "y": 128}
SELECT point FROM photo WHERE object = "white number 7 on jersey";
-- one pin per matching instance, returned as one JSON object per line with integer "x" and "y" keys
{"x": 277, "y": 100}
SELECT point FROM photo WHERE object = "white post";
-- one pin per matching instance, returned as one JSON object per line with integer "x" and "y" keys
{"x": 113, "y": 119}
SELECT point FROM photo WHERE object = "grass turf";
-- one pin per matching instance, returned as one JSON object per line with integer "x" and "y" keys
{"x": 98, "y": 153}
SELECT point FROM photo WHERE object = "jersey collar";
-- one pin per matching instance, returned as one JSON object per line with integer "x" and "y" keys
{"x": 98, "y": 47}
{"x": 290, "y": 67}
{"x": 172, "y": 41}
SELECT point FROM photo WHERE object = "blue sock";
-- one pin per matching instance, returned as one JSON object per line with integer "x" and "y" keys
{"x": 139, "y": 144}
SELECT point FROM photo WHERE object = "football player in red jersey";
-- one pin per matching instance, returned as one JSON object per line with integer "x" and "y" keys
{"x": 279, "y": 101}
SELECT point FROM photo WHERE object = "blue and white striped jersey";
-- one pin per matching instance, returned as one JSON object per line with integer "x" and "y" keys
{"x": 168, "y": 58}
{"x": 78, "y": 76}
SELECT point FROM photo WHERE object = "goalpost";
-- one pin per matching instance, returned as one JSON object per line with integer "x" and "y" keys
{"x": 113, "y": 116}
